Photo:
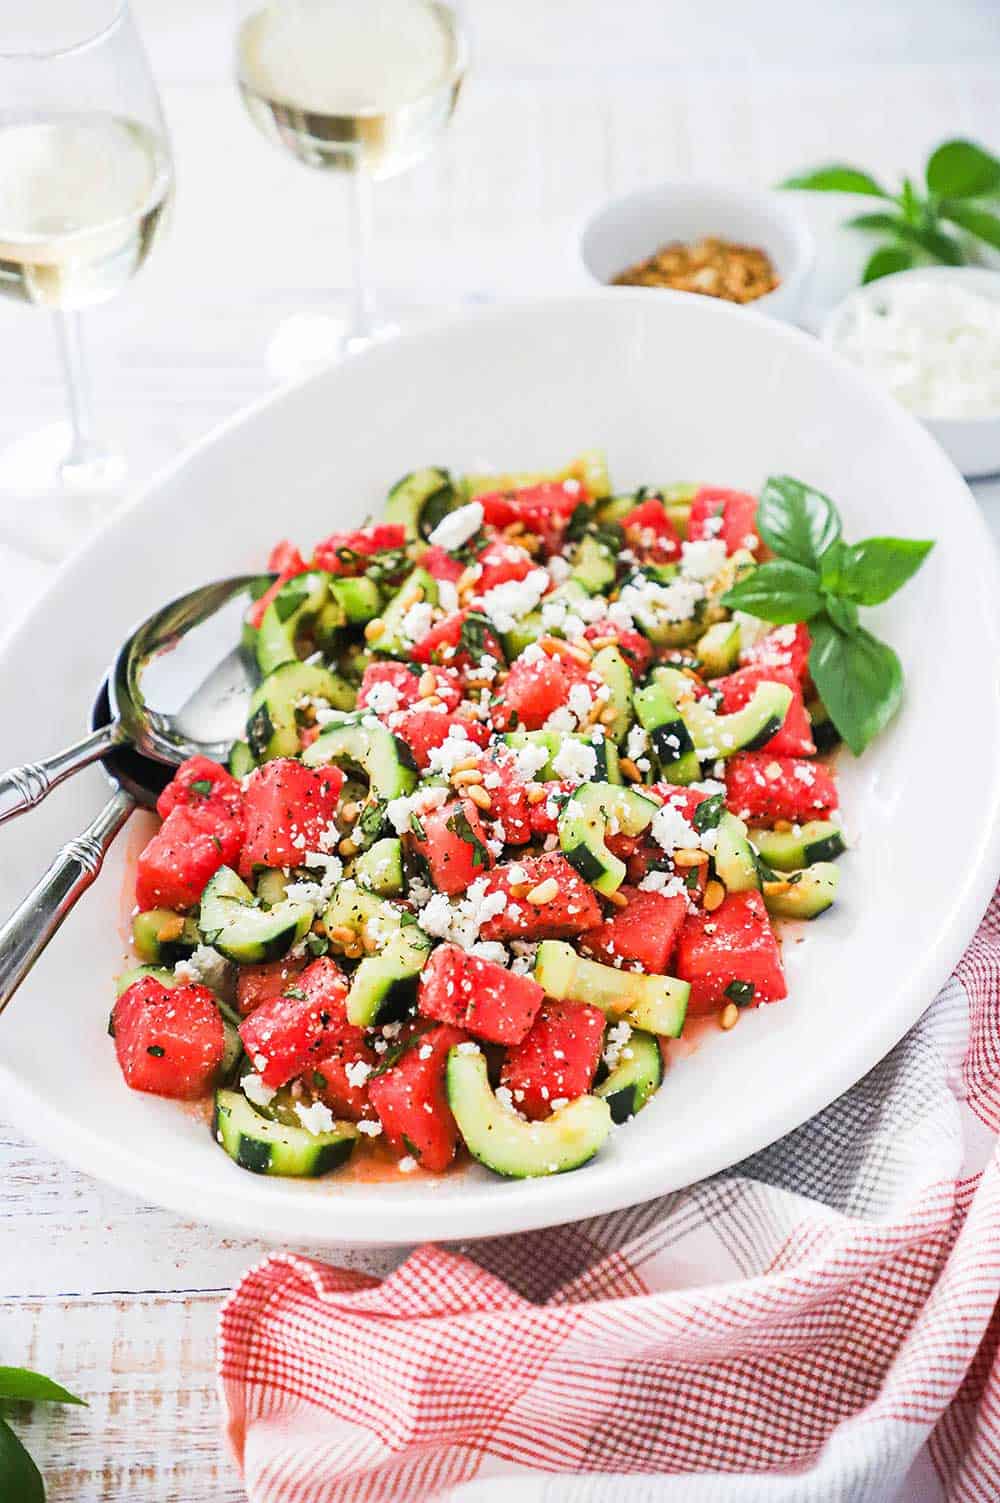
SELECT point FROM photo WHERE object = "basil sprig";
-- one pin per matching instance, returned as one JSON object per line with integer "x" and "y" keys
{"x": 19, "y": 1476}
{"x": 817, "y": 577}
{"x": 937, "y": 223}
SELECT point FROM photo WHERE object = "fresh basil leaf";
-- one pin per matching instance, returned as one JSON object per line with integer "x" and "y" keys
{"x": 778, "y": 591}
{"x": 961, "y": 169}
{"x": 943, "y": 247}
{"x": 883, "y": 222}
{"x": 22, "y": 1384}
{"x": 887, "y": 260}
{"x": 797, "y": 522}
{"x": 830, "y": 563}
{"x": 978, "y": 222}
{"x": 709, "y": 813}
{"x": 858, "y": 678}
{"x": 19, "y": 1476}
{"x": 837, "y": 178}
{"x": 873, "y": 570}
{"x": 843, "y": 613}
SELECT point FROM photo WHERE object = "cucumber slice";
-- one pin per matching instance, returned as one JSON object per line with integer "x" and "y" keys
{"x": 636, "y": 1077}
{"x": 368, "y": 748}
{"x": 611, "y": 667}
{"x": 656, "y": 1004}
{"x": 734, "y": 860}
{"x": 384, "y": 985}
{"x": 824, "y": 732}
{"x": 295, "y": 607}
{"x": 241, "y": 759}
{"x": 653, "y": 615}
{"x": 719, "y": 649}
{"x": 593, "y": 565}
{"x": 359, "y": 599}
{"x": 379, "y": 869}
{"x": 716, "y": 735}
{"x": 264, "y": 1146}
{"x": 391, "y": 643}
{"x": 805, "y": 894}
{"x": 585, "y": 821}
{"x": 272, "y": 886}
{"x": 162, "y": 937}
{"x": 507, "y": 1144}
{"x": 606, "y": 769}
{"x": 589, "y": 467}
{"x": 420, "y": 500}
{"x": 273, "y": 721}
{"x": 668, "y": 735}
{"x": 232, "y": 921}
{"x": 786, "y": 851}
{"x": 139, "y": 972}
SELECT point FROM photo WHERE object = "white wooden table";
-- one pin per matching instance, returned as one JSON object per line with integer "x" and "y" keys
{"x": 565, "y": 104}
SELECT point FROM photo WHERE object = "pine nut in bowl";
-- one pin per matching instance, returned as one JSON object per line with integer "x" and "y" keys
{"x": 931, "y": 336}
{"x": 739, "y": 244}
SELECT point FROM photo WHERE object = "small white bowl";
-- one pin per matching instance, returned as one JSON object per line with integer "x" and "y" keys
{"x": 973, "y": 444}
{"x": 628, "y": 229}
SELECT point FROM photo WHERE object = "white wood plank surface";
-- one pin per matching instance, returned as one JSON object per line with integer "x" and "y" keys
{"x": 566, "y": 103}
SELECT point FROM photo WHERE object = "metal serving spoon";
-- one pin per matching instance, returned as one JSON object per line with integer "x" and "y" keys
{"x": 138, "y": 782}
{"x": 179, "y": 687}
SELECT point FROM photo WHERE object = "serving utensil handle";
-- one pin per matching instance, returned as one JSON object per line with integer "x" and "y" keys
{"x": 23, "y": 788}
{"x": 30, "y": 927}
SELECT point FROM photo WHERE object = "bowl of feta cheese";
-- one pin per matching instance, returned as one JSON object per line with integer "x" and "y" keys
{"x": 931, "y": 335}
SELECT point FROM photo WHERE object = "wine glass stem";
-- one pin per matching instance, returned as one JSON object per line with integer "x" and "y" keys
{"x": 362, "y": 234}
{"x": 77, "y": 383}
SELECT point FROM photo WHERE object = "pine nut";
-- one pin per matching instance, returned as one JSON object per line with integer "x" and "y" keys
{"x": 729, "y": 1017}
{"x": 465, "y": 777}
{"x": 514, "y": 529}
{"x": 537, "y": 794}
{"x": 543, "y": 893}
{"x": 598, "y": 643}
{"x": 629, "y": 770}
{"x": 340, "y": 934}
{"x": 520, "y": 889}
{"x": 687, "y": 856}
{"x": 775, "y": 889}
{"x": 467, "y": 578}
{"x": 427, "y": 684}
{"x": 715, "y": 896}
{"x": 783, "y": 826}
{"x": 430, "y": 701}
{"x": 477, "y": 793}
{"x": 608, "y": 716}
{"x": 348, "y": 848}
{"x": 467, "y": 764}
{"x": 617, "y": 899}
{"x": 374, "y": 629}
{"x": 349, "y": 813}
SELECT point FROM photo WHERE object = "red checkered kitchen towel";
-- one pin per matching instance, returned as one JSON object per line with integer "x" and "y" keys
{"x": 818, "y": 1323}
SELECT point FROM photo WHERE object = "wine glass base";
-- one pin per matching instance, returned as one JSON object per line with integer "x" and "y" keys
{"x": 53, "y": 493}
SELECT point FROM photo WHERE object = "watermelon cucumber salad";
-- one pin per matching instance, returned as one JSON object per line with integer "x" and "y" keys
{"x": 519, "y": 796}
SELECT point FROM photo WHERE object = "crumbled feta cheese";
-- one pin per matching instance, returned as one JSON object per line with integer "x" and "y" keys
{"x": 417, "y": 622}
{"x": 457, "y": 527}
{"x": 204, "y": 967}
{"x": 671, "y": 830}
{"x": 316, "y": 1118}
{"x": 507, "y": 603}
{"x": 454, "y": 749}
{"x": 256, "y": 1091}
{"x": 357, "y": 1073}
{"x": 617, "y": 1037}
{"x": 636, "y": 742}
{"x": 575, "y": 761}
{"x": 370, "y": 1129}
{"x": 703, "y": 559}
{"x": 407, "y": 1165}
{"x": 529, "y": 760}
{"x": 382, "y": 698}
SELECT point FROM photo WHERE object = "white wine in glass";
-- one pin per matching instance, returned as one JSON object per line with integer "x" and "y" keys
{"x": 85, "y": 179}
{"x": 363, "y": 87}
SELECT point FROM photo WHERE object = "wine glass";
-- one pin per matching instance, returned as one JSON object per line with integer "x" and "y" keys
{"x": 363, "y": 87}
{"x": 85, "y": 177}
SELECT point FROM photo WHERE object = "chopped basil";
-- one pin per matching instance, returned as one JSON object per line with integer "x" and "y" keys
{"x": 416, "y": 825}
{"x": 708, "y": 813}
{"x": 295, "y": 992}
{"x": 740, "y": 992}
{"x": 317, "y": 944}
{"x": 411, "y": 1147}
{"x": 202, "y": 786}
{"x": 156, "y": 1050}
{"x": 458, "y": 824}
